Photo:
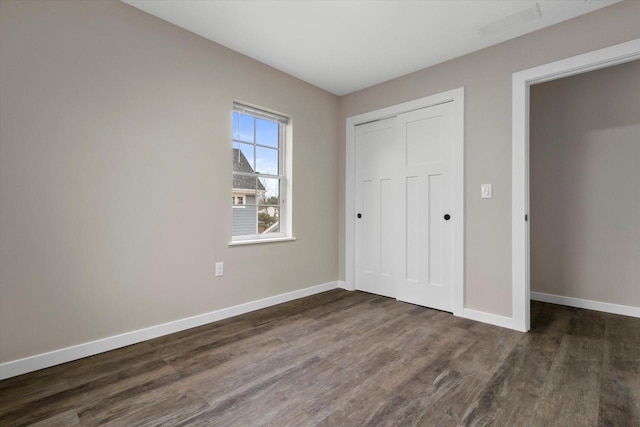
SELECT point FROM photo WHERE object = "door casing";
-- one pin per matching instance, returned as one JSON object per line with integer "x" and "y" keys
{"x": 457, "y": 97}
{"x": 521, "y": 81}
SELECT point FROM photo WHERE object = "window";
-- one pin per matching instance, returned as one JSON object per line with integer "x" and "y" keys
{"x": 259, "y": 179}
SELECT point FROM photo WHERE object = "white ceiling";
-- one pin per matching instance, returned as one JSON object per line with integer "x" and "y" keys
{"x": 343, "y": 46}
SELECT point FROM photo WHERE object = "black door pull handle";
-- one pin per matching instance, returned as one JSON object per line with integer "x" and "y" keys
{"x": 447, "y": 217}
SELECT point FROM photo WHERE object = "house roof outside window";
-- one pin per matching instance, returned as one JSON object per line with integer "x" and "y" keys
{"x": 241, "y": 164}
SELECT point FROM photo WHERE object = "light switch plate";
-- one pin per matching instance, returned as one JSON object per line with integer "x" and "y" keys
{"x": 486, "y": 191}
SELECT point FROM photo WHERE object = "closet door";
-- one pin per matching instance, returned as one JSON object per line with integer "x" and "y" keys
{"x": 377, "y": 203}
{"x": 426, "y": 225}
{"x": 404, "y": 202}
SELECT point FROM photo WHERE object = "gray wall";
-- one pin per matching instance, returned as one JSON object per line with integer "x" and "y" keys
{"x": 585, "y": 186}
{"x": 486, "y": 76}
{"x": 115, "y": 175}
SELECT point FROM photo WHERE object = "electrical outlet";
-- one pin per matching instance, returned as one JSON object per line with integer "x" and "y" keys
{"x": 219, "y": 269}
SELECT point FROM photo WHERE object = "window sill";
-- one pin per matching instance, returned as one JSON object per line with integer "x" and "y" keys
{"x": 257, "y": 241}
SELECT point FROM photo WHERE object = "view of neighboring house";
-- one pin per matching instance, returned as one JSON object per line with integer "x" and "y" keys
{"x": 246, "y": 190}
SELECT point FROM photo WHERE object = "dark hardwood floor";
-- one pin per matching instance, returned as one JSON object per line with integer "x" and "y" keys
{"x": 350, "y": 358}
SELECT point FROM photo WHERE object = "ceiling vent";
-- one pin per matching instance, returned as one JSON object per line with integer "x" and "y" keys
{"x": 511, "y": 21}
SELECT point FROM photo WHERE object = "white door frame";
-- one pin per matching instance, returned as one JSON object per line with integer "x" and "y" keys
{"x": 522, "y": 80}
{"x": 457, "y": 97}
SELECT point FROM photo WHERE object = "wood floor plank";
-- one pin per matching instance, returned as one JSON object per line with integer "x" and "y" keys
{"x": 575, "y": 375}
{"x": 145, "y": 391}
{"x": 57, "y": 380}
{"x": 263, "y": 398}
{"x": 349, "y": 359}
{"x": 620, "y": 383}
{"x": 19, "y": 391}
{"x": 452, "y": 394}
{"x": 80, "y": 396}
{"x": 510, "y": 396}
{"x": 619, "y": 403}
{"x": 67, "y": 419}
{"x": 485, "y": 355}
{"x": 356, "y": 404}
{"x": 418, "y": 331}
{"x": 173, "y": 407}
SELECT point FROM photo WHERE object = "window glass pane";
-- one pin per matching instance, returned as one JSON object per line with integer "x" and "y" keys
{"x": 267, "y": 133}
{"x": 244, "y": 219}
{"x": 269, "y": 191}
{"x": 257, "y": 200}
{"x": 243, "y": 157}
{"x": 246, "y": 127}
{"x": 236, "y": 124}
{"x": 267, "y": 160}
{"x": 246, "y": 184}
{"x": 268, "y": 219}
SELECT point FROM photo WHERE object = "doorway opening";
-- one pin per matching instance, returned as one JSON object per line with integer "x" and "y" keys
{"x": 614, "y": 55}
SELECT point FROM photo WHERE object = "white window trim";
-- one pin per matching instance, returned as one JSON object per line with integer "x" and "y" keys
{"x": 262, "y": 240}
{"x": 286, "y": 187}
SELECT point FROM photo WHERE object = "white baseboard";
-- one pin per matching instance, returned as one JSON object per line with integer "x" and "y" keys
{"x": 56, "y": 357}
{"x": 342, "y": 285}
{"x": 607, "y": 307}
{"x": 492, "y": 319}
